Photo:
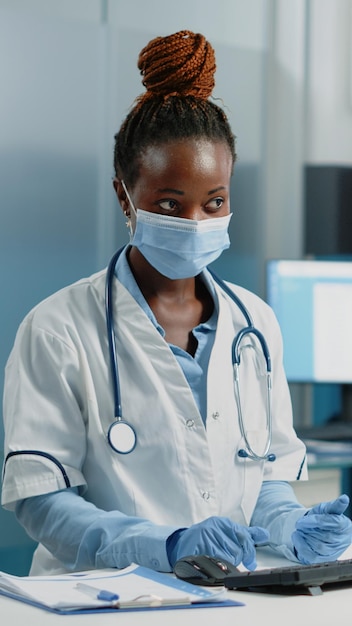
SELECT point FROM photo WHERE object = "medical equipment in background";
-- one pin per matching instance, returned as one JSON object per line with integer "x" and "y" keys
{"x": 121, "y": 434}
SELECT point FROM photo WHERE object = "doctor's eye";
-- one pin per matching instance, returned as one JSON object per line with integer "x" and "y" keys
{"x": 169, "y": 206}
{"x": 215, "y": 204}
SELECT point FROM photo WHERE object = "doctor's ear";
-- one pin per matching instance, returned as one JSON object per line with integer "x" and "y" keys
{"x": 121, "y": 195}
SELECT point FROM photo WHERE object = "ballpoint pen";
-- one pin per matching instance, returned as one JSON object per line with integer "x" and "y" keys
{"x": 141, "y": 601}
{"x": 97, "y": 594}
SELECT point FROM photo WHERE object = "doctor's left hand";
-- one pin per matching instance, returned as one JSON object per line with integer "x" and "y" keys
{"x": 218, "y": 536}
{"x": 323, "y": 533}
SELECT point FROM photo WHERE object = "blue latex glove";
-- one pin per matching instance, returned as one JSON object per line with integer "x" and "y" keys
{"x": 323, "y": 533}
{"x": 218, "y": 536}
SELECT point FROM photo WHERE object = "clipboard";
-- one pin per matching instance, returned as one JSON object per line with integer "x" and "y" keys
{"x": 138, "y": 589}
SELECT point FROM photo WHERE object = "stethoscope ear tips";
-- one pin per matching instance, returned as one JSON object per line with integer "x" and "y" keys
{"x": 243, "y": 454}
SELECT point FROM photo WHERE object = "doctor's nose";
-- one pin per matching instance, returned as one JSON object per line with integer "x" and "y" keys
{"x": 193, "y": 213}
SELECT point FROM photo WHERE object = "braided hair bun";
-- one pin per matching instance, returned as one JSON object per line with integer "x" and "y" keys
{"x": 178, "y": 73}
{"x": 182, "y": 64}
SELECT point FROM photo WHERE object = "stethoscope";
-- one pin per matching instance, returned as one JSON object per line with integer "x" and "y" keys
{"x": 121, "y": 434}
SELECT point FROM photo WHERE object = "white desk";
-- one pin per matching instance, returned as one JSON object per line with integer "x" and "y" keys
{"x": 334, "y": 606}
{"x": 261, "y": 610}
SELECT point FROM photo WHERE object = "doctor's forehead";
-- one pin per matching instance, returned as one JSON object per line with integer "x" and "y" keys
{"x": 186, "y": 158}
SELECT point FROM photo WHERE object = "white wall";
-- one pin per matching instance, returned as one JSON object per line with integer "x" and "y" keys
{"x": 329, "y": 82}
{"x": 283, "y": 128}
{"x": 51, "y": 112}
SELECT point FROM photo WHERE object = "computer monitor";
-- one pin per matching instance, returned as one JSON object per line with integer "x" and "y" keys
{"x": 312, "y": 300}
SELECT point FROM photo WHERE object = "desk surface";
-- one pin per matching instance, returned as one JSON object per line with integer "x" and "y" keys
{"x": 261, "y": 609}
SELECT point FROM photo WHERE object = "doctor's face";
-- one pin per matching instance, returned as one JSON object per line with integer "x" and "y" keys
{"x": 187, "y": 178}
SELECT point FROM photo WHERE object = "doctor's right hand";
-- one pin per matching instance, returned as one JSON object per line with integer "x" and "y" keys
{"x": 218, "y": 536}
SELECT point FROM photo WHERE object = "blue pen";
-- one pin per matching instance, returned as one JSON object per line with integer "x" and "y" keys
{"x": 97, "y": 594}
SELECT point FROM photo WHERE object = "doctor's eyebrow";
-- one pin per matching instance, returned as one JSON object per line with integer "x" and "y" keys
{"x": 170, "y": 190}
{"x": 182, "y": 193}
{"x": 221, "y": 188}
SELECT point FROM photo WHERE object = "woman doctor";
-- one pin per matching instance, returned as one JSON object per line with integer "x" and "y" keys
{"x": 196, "y": 474}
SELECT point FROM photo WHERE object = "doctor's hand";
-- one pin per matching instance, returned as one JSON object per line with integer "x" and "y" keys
{"x": 323, "y": 533}
{"x": 218, "y": 536}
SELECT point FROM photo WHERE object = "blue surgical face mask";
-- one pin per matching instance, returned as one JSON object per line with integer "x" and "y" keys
{"x": 178, "y": 247}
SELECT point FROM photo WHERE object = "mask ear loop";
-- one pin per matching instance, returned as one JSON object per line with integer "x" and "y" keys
{"x": 129, "y": 226}
{"x": 128, "y": 218}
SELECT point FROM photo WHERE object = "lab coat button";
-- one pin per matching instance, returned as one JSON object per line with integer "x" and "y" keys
{"x": 155, "y": 563}
{"x": 205, "y": 495}
{"x": 215, "y": 415}
{"x": 190, "y": 423}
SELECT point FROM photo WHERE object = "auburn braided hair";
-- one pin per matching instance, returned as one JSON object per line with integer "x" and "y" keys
{"x": 178, "y": 73}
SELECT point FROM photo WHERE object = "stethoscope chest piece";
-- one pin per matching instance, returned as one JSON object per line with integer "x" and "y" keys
{"x": 122, "y": 437}
{"x": 244, "y": 454}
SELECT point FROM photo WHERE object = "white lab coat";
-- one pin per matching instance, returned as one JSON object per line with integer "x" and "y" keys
{"x": 58, "y": 407}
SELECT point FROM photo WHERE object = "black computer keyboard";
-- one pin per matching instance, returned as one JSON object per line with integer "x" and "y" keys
{"x": 296, "y": 575}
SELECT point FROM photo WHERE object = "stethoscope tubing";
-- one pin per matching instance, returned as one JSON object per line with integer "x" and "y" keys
{"x": 250, "y": 329}
{"x": 111, "y": 334}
